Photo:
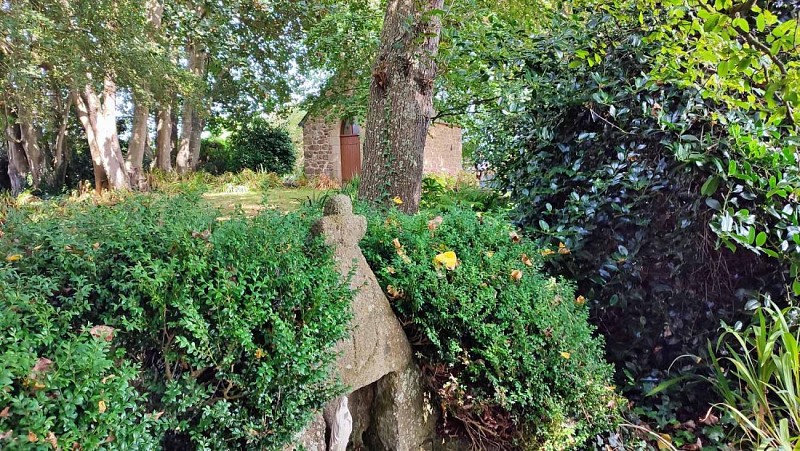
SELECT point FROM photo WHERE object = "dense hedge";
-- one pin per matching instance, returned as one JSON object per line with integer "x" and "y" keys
{"x": 255, "y": 145}
{"x": 507, "y": 350}
{"x": 150, "y": 323}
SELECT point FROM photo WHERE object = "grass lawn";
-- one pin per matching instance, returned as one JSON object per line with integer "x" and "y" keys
{"x": 284, "y": 199}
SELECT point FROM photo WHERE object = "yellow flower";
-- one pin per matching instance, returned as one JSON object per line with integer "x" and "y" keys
{"x": 563, "y": 249}
{"x": 516, "y": 275}
{"x": 391, "y": 270}
{"x": 101, "y": 406}
{"x": 13, "y": 258}
{"x": 259, "y": 353}
{"x": 546, "y": 252}
{"x": 397, "y": 200}
{"x": 580, "y": 300}
{"x": 448, "y": 259}
{"x": 610, "y": 387}
{"x": 664, "y": 442}
{"x": 489, "y": 254}
{"x": 566, "y": 355}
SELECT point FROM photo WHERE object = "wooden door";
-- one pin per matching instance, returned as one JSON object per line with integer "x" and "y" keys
{"x": 351, "y": 150}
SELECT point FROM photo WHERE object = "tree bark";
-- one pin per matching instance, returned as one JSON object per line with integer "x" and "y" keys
{"x": 33, "y": 151}
{"x": 183, "y": 162}
{"x": 198, "y": 123}
{"x": 174, "y": 141}
{"x": 17, "y": 161}
{"x": 99, "y": 120}
{"x": 164, "y": 138}
{"x": 195, "y": 140}
{"x": 136, "y": 145}
{"x": 141, "y": 114}
{"x": 401, "y": 103}
{"x": 60, "y": 155}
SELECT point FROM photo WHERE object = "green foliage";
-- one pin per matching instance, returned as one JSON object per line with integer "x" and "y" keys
{"x": 226, "y": 326}
{"x": 507, "y": 350}
{"x": 59, "y": 385}
{"x": 757, "y": 374}
{"x": 216, "y": 156}
{"x": 443, "y": 191}
{"x": 260, "y": 147}
{"x": 612, "y": 163}
{"x": 744, "y": 54}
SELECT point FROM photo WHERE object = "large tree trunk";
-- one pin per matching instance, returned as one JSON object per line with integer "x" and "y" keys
{"x": 401, "y": 103}
{"x": 141, "y": 114}
{"x": 33, "y": 151}
{"x": 195, "y": 140}
{"x": 198, "y": 123}
{"x": 184, "y": 148}
{"x": 164, "y": 138}
{"x": 99, "y": 120}
{"x": 174, "y": 140}
{"x": 184, "y": 158}
{"x": 60, "y": 155}
{"x": 17, "y": 161}
{"x": 137, "y": 143}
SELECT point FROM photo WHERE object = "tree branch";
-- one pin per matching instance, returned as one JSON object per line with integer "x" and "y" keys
{"x": 456, "y": 110}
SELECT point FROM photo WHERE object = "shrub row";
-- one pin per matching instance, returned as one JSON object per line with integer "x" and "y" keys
{"x": 507, "y": 351}
{"x": 151, "y": 324}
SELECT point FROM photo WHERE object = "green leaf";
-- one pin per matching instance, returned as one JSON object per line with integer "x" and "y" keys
{"x": 711, "y": 23}
{"x": 761, "y": 238}
{"x": 741, "y": 24}
{"x": 666, "y": 384}
{"x": 710, "y": 186}
{"x": 722, "y": 68}
{"x": 761, "y": 22}
{"x": 732, "y": 166}
{"x": 796, "y": 287}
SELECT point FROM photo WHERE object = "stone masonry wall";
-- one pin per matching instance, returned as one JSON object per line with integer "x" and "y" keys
{"x": 443, "y": 150}
{"x": 322, "y": 154}
{"x": 318, "y": 148}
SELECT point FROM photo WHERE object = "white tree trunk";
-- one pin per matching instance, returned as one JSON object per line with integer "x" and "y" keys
{"x": 99, "y": 120}
{"x": 164, "y": 138}
{"x": 184, "y": 158}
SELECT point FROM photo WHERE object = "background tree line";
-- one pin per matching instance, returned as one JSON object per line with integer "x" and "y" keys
{"x": 177, "y": 63}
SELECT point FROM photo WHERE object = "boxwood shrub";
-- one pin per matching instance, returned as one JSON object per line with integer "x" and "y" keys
{"x": 508, "y": 351}
{"x": 153, "y": 323}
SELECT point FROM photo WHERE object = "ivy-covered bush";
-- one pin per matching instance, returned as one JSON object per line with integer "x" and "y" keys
{"x": 261, "y": 147}
{"x": 217, "y": 332}
{"x": 632, "y": 174}
{"x": 507, "y": 350}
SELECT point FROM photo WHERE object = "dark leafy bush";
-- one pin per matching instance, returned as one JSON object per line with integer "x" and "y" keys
{"x": 614, "y": 165}
{"x": 507, "y": 350}
{"x": 260, "y": 147}
{"x": 216, "y": 156}
{"x": 225, "y": 326}
{"x": 643, "y": 179}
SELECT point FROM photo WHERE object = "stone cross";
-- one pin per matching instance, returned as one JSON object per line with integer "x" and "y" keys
{"x": 376, "y": 357}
